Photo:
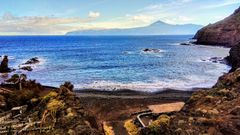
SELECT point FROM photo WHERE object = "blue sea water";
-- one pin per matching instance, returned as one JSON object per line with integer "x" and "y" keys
{"x": 116, "y": 62}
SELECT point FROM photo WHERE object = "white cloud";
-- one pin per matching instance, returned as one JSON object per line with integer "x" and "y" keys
{"x": 93, "y": 14}
{"x": 141, "y": 18}
{"x": 178, "y": 20}
{"x": 223, "y": 4}
{"x": 185, "y": 1}
{"x": 10, "y": 24}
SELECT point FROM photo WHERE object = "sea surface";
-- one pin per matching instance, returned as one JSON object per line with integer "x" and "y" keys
{"x": 116, "y": 62}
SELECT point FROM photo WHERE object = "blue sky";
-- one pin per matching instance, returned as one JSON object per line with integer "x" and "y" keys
{"x": 27, "y": 17}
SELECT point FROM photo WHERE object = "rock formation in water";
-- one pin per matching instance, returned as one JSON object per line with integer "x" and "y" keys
{"x": 27, "y": 68}
{"x": 223, "y": 33}
{"x": 4, "y": 65}
{"x": 34, "y": 60}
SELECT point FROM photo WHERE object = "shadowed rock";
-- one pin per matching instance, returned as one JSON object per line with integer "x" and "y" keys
{"x": 234, "y": 57}
{"x": 4, "y": 65}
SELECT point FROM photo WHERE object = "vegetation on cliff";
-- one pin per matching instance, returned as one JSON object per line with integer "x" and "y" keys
{"x": 59, "y": 108}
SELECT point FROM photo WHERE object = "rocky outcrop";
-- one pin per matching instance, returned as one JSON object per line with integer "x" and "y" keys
{"x": 214, "y": 111}
{"x": 223, "y": 33}
{"x": 58, "y": 108}
{"x": 234, "y": 57}
{"x": 4, "y": 65}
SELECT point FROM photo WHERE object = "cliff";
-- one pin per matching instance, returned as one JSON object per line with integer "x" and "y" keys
{"x": 223, "y": 33}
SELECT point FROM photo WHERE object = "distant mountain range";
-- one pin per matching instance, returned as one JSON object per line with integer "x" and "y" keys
{"x": 157, "y": 28}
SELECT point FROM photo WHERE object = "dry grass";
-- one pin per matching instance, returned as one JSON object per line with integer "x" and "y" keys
{"x": 55, "y": 105}
{"x": 108, "y": 130}
{"x": 131, "y": 127}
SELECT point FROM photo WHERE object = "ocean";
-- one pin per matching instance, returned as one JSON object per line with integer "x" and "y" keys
{"x": 116, "y": 62}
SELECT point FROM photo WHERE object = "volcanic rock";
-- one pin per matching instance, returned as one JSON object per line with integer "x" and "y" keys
{"x": 34, "y": 60}
{"x": 223, "y": 33}
{"x": 4, "y": 65}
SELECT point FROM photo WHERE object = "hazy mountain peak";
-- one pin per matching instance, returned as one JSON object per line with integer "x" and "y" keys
{"x": 158, "y": 23}
{"x": 156, "y": 28}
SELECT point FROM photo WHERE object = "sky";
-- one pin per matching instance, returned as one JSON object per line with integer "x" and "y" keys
{"x": 57, "y": 17}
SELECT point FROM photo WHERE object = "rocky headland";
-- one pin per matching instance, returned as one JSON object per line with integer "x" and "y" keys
{"x": 223, "y": 33}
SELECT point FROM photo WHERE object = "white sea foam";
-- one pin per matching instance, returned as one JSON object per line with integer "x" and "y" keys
{"x": 157, "y": 85}
{"x": 128, "y": 52}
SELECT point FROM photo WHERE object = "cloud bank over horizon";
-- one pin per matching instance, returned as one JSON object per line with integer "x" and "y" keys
{"x": 52, "y": 17}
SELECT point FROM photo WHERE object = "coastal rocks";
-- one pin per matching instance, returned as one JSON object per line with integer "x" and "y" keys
{"x": 148, "y": 50}
{"x": 27, "y": 68}
{"x": 218, "y": 60}
{"x": 4, "y": 65}
{"x": 223, "y": 33}
{"x": 34, "y": 60}
{"x": 185, "y": 44}
{"x": 151, "y": 51}
{"x": 228, "y": 80}
{"x": 188, "y": 43}
{"x": 234, "y": 57}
